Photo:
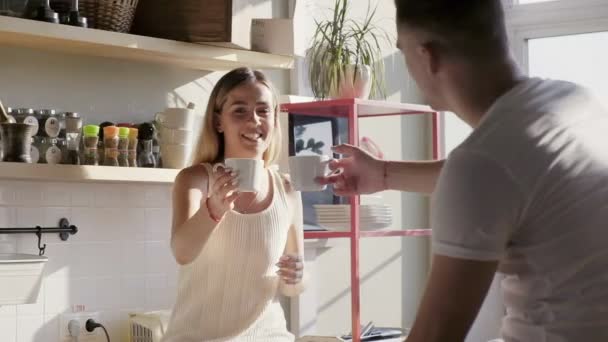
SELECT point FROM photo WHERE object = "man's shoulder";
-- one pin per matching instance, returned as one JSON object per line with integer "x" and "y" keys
{"x": 539, "y": 97}
{"x": 532, "y": 109}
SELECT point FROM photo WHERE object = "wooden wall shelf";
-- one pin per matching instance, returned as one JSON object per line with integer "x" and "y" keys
{"x": 90, "y": 42}
{"x": 85, "y": 173}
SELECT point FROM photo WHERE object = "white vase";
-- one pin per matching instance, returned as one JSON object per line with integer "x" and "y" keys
{"x": 355, "y": 83}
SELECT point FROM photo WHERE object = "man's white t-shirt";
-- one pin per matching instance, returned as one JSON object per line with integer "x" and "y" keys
{"x": 529, "y": 187}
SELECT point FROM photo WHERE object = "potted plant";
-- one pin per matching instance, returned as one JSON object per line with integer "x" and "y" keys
{"x": 345, "y": 58}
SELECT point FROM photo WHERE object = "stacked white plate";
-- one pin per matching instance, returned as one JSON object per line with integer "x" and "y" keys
{"x": 336, "y": 217}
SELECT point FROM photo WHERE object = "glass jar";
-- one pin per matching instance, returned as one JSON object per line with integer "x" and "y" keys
{"x": 123, "y": 146}
{"x": 145, "y": 153}
{"x": 62, "y": 123}
{"x": 100, "y": 143}
{"x": 73, "y": 127}
{"x": 110, "y": 146}
{"x": 146, "y": 157}
{"x": 37, "y": 145}
{"x": 63, "y": 146}
{"x": 49, "y": 123}
{"x": 50, "y": 152}
{"x": 91, "y": 138}
{"x": 26, "y": 115}
{"x": 133, "y": 133}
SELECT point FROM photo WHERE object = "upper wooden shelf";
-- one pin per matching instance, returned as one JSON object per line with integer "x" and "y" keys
{"x": 90, "y": 42}
{"x": 363, "y": 108}
{"x": 85, "y": 173}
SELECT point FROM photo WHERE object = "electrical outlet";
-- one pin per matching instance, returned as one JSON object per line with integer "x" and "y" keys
{"x": 81, "y": 317}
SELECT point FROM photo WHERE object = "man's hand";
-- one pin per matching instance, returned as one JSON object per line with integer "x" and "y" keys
{"x": 358, "y": 173}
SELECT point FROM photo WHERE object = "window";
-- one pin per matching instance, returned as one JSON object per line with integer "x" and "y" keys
{"x": 529, "y": 26}
{"x": 561, "y": 39}
{"x": 579, "y": 58}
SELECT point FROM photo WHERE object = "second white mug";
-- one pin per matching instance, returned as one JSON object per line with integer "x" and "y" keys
{"x": 250, "y": 172}
{"x": 305, "y": 169}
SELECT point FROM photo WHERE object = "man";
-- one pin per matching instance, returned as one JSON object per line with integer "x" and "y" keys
{"x": 526, "y": 193}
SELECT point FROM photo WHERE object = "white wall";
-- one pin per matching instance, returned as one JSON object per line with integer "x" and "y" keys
{"x": 103, "y": 89}
{"x": 118, "y": 262}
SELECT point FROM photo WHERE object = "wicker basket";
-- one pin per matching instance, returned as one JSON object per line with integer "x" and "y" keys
{"x": 109, "y": 15}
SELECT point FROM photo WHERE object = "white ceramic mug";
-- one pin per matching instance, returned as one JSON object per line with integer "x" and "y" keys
{"x": 250, "y": 172}
{"x": 305, "y": 169}
{"x": 176, "y": 118}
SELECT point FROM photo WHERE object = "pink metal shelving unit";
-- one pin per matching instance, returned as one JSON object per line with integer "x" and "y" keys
{"x": 353, "y": 110}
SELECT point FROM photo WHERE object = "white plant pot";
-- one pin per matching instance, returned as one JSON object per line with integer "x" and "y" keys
{"x": 355, "y": 83}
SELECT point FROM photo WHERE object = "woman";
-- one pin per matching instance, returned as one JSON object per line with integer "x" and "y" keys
{"x": 236, "y": 251}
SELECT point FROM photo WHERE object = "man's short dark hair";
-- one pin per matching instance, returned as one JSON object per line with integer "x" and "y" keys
{"x": 463, "y": 27}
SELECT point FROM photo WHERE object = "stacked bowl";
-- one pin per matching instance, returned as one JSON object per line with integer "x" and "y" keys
{"x": 175, "y": 129}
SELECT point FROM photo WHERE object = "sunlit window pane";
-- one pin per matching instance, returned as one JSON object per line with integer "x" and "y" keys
{"x": 581, "y": 58}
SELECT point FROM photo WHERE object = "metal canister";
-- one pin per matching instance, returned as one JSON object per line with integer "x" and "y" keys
{"x": 11, "y": 118}
{"x": 9, "y": 113}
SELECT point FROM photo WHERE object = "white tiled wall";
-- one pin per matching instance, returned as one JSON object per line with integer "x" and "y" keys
{"x": 118, "y": 262}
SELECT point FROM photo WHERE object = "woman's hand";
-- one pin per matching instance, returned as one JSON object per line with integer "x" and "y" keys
{"x": 291, "y": 268}
{"x": 223, "y": 193}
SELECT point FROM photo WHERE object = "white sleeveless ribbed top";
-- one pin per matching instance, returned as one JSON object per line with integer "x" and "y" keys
{"x": 229, "y": 292}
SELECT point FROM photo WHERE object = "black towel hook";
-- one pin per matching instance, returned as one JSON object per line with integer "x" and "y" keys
{"x": 65, "y": 229}
{"x": 42, "y": 248}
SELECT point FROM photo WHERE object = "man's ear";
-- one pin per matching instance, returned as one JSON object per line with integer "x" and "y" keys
{"x": 429, "y": 54}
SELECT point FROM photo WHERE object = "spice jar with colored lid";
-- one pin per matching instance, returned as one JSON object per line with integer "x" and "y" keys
{"x": 91, "y": 138}
{"x": 110, "y": 145}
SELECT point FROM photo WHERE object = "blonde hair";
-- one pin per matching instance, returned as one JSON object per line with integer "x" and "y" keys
{"x": 210, "y": 147}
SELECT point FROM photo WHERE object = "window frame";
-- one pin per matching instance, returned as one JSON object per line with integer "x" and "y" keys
{"x": 551, "y": 19}
{"x": 542, "y": 20}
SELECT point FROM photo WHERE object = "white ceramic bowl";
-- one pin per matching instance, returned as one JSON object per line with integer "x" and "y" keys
{"x": 171, "y": 136}
{"x": 175, "y": 156}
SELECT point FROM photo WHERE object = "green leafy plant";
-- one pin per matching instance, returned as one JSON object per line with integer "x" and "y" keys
{"x": 344, "y": 41}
